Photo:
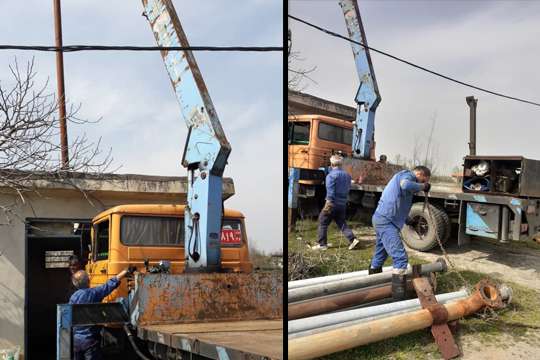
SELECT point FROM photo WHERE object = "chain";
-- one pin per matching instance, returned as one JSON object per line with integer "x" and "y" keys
{"x": 488, "y": 313}
{"x": 443, "y": 250}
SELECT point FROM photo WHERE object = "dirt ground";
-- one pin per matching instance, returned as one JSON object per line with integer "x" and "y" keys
{"x": 519, "y": 265}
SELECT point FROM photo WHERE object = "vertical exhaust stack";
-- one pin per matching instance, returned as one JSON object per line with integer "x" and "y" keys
{"x": 471, "y": 101}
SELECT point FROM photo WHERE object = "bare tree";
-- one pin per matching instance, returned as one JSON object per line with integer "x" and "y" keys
{"x": 296, "y": 74}
{"x": 29, "y": 136}
{"x": 428, "y": 148}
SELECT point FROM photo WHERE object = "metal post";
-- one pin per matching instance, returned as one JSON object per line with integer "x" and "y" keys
{"x": 294, "y": 178}
{"x": 504, "y": 224}
{"x": 60, "y": 84}
{"x": 471, "y": 101}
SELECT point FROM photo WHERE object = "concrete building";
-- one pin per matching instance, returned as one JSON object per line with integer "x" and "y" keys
{"x": 299, "y": 103}
{"x": 48, "y": 217}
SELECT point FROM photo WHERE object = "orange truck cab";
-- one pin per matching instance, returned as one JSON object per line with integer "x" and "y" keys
{"x": 127, "y": 235}
{"x": 314, "y": 138}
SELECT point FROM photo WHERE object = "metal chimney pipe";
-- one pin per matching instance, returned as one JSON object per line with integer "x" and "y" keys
{"x": 471, "y": 101}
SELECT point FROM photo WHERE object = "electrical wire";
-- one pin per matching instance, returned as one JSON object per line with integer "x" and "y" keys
{"x": 74, "y": 48}
{"x": 329, "y": 32}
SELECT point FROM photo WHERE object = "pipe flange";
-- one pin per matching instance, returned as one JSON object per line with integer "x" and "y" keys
{"x": 490, "y": 294}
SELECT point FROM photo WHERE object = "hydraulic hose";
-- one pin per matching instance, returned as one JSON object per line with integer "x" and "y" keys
{"x": 133, "y": 344}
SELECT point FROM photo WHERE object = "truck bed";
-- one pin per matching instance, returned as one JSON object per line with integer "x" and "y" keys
{"x": 255, "y": 339}
{"x": 438, "y": 189}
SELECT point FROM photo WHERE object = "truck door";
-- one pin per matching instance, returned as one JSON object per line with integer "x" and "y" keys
{"x": 98, "y": 268}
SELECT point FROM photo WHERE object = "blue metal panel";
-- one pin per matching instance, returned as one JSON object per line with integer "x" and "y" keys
{"x": 206, "y": 150}
{"x": 367, "y": 96}
{"x": 294, "y": 177}
{"x": 63, "y": 332}
{"x": 483, "y": 223}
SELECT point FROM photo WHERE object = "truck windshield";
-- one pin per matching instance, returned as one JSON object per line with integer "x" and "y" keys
{"x": 299, "y": 133}
{"x": 137, "y": 230}
{"x": 151, "y": 230}
{"x": 335, "y": 134}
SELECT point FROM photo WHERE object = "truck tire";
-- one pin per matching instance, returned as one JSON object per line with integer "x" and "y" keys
{"x": 447, "y": 223}
{"x": 422, "y": 236}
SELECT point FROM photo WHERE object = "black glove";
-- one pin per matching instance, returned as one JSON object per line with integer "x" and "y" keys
{"x": 427, "y": 186}
{"x": 131, "y": 270}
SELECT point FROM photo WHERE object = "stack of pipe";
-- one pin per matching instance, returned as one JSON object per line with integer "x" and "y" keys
{"x": 325, "y": 334}
{"x": 323, "y": 318}
{"x": 326, "y": 294}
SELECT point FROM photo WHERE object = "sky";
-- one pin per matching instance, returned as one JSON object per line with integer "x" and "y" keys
{"x": 132, "y": 94}
{"x": 492, "y": 44}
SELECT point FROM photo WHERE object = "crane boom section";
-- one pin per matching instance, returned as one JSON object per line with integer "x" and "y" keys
{"x": 367, "y": 96}
{"x": 206, "y": 149}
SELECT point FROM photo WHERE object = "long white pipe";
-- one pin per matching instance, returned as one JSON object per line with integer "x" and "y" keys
{"x": 326, "y": 279}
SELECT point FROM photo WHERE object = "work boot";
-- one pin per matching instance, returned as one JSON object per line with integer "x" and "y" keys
{"x": 399, "y": 286}
{"x": 374, "y": 270}
{"x": 353, "y": 244}
{"x": 319, "y": 247}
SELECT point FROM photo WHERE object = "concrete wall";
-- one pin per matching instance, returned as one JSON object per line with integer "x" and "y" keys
{"x": 62, "y": 202}
{"x": 304, "y": 104}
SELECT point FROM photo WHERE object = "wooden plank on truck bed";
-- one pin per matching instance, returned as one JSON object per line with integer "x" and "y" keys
{"x": 257, "y": 339}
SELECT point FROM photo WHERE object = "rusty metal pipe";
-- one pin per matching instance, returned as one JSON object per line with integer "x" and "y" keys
{"x": 313, "y": 291}
{"x": 328, "y": 342}
{"x": 339, "y": 301}
{"x": 330, "y": 278}
{"x": 314, "y": 322}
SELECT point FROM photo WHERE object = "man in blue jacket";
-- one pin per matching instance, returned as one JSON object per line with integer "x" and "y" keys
{"x": 338, "y": 184}
{"x": 389, "y": 217}
{"x": 86, "y": 339}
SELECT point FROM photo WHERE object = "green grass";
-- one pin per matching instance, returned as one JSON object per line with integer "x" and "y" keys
{"x": 515, "y": 320}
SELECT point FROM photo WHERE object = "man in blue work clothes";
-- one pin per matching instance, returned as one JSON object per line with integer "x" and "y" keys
{"x": 86, "y": 339}
{"x": 390, "y": 216}
{"x": 338, "y": 183}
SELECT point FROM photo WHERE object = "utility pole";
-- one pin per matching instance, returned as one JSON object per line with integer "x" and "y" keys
{"x": 60, "y": 84}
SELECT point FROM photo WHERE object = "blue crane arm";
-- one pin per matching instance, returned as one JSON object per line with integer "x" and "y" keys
{"x": 206, "y": 149}
{"x": 367, "y": 97}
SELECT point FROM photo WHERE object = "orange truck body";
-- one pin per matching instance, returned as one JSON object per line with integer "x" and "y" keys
{"x": 316, "y": 152}
{"x": 112, "y": 251}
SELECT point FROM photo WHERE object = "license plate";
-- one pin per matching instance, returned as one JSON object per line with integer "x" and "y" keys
{"x": 231, "y": 236}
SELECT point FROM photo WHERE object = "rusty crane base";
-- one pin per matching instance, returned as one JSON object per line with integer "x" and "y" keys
{"x": 196, "y": 297}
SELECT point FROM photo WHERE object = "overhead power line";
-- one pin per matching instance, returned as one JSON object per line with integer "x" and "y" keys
{"x": 329, "y": 32}
{"x": 74, "y": 48}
